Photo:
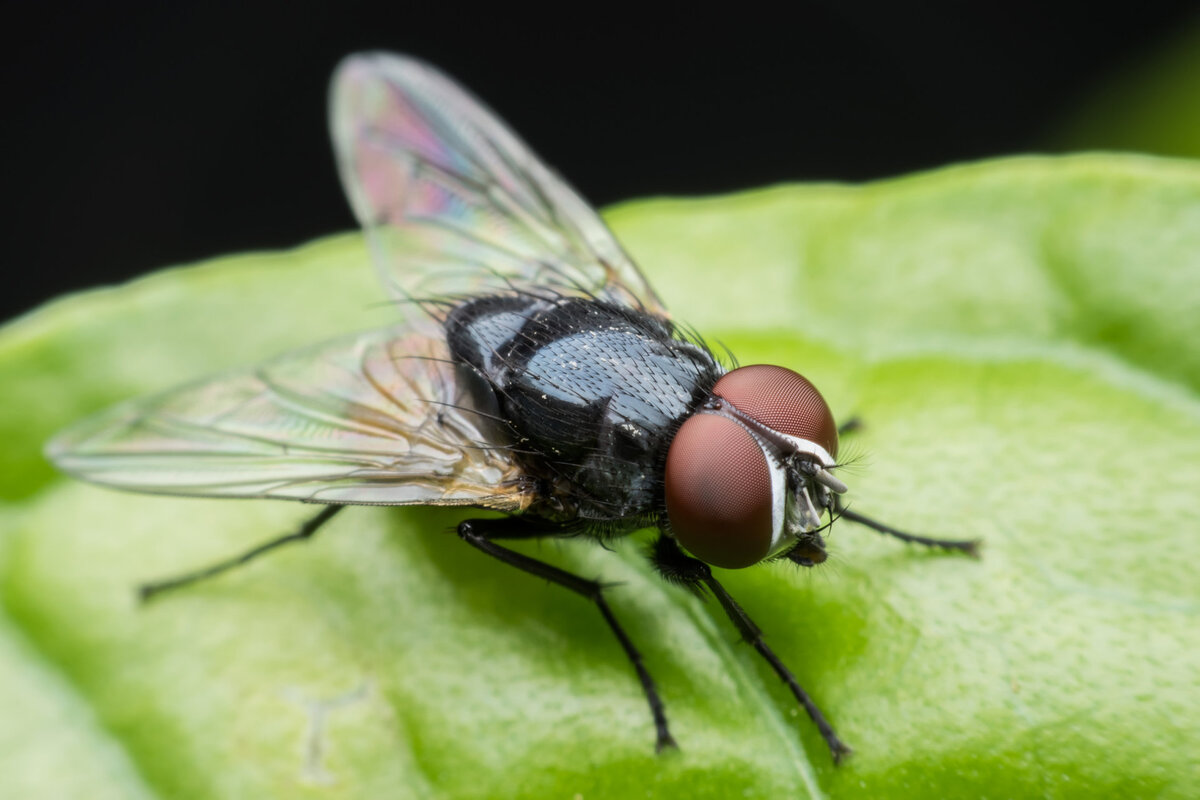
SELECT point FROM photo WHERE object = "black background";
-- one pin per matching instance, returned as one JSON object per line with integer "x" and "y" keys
{"x": 138, "y": 137}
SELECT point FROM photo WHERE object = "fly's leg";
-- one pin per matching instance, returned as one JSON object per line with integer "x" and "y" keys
{"x": 678, "y": 568}
{"x": 849, "y": 426}
{"x": 968, "y": 546}
{"x": 148, "y": 591}
{"x": 480, "y": 533}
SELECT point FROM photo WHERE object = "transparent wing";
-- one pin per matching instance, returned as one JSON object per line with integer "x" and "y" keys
{"x": 454, "y": 203}
{"x": 376, "y": 419}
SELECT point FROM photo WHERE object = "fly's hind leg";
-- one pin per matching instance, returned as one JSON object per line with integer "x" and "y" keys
{"x": 148, "y": 591}
{"x": 481, "y": 533}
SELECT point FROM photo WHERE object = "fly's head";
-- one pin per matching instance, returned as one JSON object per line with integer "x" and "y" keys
{"x": 748, "y": 476}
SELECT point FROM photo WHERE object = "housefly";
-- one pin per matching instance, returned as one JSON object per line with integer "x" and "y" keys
{"x": 532, "y": 370}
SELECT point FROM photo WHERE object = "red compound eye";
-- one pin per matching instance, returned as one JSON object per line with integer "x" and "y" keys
{"x": 718, "y": 492}
{"x": 782, "y": 400}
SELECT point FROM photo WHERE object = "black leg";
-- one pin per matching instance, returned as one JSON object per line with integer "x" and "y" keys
{"x": 676, "y": 567}
{"x": 148, "y": 591}
{"x": 968, "y": 546}
{"x": 849, "y": 426}
{"x": 479, "y": 534}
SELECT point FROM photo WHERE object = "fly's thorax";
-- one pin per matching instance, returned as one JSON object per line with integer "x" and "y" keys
{"x": 748, "y": 475}
{"x": 481, "y": 332}
{"x": 589, "y": 392}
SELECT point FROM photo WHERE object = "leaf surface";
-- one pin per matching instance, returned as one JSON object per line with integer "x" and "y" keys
{"x": 1021, "y": 339}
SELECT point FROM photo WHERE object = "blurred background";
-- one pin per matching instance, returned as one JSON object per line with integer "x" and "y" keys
{"x": 144, "y": 136}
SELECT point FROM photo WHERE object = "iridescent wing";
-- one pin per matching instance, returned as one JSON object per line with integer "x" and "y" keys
{"x": 454, "y": 204}
{"x": 379, "y": 418}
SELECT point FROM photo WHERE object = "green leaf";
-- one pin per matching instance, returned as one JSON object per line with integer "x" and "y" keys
{"x": 1148, "y": 106}
{"x": 1022, "y": 341}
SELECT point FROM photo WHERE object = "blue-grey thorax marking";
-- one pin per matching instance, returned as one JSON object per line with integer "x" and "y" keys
{"x": 595, "y": 391}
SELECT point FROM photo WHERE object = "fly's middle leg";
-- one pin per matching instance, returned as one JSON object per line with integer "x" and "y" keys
{"x": 481, "y": 533}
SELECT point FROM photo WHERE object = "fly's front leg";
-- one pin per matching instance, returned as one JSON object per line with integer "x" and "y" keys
{"x": 148, "y": 591}
{"x": 480, "y": 533}
{"x": 967, "y": 546}
{"x": 678, "y": 568}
